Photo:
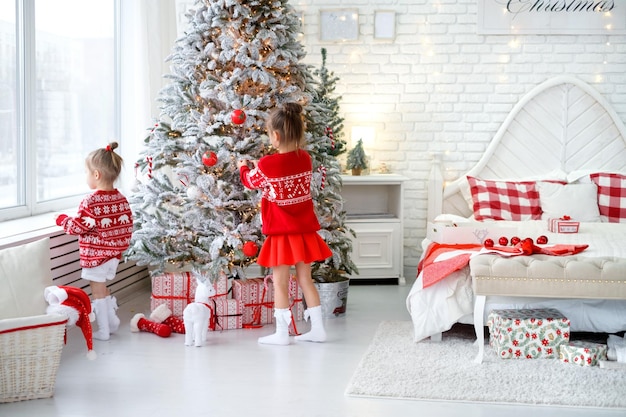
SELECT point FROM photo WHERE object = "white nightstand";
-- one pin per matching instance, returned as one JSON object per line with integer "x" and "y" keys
{"x": 373, "y": 204}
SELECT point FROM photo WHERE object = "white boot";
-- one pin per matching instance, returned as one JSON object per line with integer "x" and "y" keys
{"x": 281, "y": 337}
{"x": 114, "y": 321}
{"x": 317, "y": 332}
{"x": 101, "y": 308}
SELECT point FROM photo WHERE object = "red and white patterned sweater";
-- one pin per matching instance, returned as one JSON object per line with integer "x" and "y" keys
{"x": 104, "y": 225}
{"x": 285, "y": 181}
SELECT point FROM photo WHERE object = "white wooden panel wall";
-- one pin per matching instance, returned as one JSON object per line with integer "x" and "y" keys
{"x": 65, "y": 266}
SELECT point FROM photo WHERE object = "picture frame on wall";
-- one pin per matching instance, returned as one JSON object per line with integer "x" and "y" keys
{"x": 338, "y": 25}
{"x": 385, "y": 24}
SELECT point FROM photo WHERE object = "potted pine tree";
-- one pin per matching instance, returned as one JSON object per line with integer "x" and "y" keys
{"x": 332, "y": 275}
{"x": 356, "y": 159}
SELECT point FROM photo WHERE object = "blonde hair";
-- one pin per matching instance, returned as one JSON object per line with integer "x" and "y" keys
{"x": 107, "y": 162}
{"x": 288, "y": 121}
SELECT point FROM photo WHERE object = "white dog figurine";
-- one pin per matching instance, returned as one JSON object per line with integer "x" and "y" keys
{"x": 196, "y": 315}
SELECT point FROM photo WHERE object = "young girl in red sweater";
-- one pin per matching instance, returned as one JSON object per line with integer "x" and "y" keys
{"x": 104, "y": 225}
{"x": 289, "y": 220}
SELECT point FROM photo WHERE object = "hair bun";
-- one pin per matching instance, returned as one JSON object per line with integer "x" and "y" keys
{"x": 293, "y": 107}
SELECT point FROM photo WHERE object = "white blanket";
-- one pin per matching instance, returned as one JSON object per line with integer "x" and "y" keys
{"x": 436, "y": 308}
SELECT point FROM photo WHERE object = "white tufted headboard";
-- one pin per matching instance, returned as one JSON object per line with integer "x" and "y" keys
{"x": 562, "y": 124}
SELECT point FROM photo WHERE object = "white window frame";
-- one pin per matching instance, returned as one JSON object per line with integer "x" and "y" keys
{"x": 26, "y": 102}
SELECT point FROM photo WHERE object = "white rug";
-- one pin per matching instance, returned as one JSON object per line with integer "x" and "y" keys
{"x": 396, "y": 367}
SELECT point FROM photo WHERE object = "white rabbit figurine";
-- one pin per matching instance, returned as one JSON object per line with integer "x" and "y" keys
{"x": 196, "y": 315}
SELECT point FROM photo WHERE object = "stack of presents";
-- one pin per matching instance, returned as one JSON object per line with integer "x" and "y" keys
{"x": 236, "y": 304}
{"x": 539, "y": 333}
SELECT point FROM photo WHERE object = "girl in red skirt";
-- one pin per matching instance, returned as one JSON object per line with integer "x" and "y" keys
{"x": 289, "y": 220}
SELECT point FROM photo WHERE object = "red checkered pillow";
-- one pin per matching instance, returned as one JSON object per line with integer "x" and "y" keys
{"x": 504, "y": 200}
{"x": 611, "y": 196}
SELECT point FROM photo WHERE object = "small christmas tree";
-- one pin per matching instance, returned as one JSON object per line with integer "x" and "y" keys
{"x": 356, "y": 160}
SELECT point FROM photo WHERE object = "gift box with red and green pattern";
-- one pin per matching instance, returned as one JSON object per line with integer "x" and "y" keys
{"x": 527, "y": 333}
{"x": 582, "y": 353}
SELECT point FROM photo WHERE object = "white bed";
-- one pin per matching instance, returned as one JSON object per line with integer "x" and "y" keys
{"x": 561, "y": 130}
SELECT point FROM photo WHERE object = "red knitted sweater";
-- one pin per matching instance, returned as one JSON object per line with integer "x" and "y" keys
{"x": 104, "y": 226}
{"x": 285, "y": 181}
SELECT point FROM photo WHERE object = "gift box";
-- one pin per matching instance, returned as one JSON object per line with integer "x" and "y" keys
{"x": 257, "y": 298}
{"x": 177, "y": 289}
{"x": 563, "y": 225}
{"x": 582, "y": 353}
{"x": 530, "y": 333}
{"x": 226, "y": 314}
{"x": 470, "y": 232}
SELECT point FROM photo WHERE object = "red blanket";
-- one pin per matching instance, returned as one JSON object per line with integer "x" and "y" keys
{"x": 434, "y": 270}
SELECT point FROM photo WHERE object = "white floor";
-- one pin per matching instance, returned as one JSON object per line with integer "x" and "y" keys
{"x": 142, "y": 375}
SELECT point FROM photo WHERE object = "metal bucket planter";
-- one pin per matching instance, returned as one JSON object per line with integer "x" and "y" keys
{"x": 333, "y": 297}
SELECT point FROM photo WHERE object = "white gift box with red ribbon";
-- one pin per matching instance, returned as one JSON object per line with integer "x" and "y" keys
{"x": 226, "y": 313}
{"x": 177, "y": 289}
{"x": 563, "y": 225}
{"x": 257, "y": 298}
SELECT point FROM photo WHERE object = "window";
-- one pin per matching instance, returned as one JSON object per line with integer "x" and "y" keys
{"x": 58, "y": 99}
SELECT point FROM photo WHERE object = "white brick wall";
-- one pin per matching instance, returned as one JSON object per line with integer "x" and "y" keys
{"x": 439, "y": 86}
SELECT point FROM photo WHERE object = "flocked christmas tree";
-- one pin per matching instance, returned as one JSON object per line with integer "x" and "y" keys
{"x": 237, "y": 60}
{"x": 326, "y": 124}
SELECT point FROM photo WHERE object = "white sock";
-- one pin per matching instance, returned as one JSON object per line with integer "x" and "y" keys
{"x": 317, "y": 332}
{"x": 101, "y": 309}
{"x": 114, "y": 321}
{"x": 281, "y": 337}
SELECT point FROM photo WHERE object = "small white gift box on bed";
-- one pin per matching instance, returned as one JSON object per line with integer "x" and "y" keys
{"x": 563, "y": 225}
{"x": 466, "y": 232}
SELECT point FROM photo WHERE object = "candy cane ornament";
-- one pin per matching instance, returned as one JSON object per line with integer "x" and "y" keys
{"x": 322, "y": 170}
{"x": 331, "y": 136}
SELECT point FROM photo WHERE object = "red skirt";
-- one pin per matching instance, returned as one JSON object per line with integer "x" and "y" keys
{"x": 293, "y": 248}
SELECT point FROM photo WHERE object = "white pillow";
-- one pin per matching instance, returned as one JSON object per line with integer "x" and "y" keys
{"x": 24, "y": 274}
{"x": 579, "y": 201}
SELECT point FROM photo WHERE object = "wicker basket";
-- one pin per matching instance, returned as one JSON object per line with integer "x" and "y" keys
{"x": 30, "y": 357}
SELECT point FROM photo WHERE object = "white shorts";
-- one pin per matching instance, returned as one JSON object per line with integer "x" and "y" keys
{"x": 102, "y": 273}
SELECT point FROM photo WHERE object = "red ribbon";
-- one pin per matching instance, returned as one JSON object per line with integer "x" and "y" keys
{"x": 213, "y": 321}
{"x": 35, "y": 326}
{"x": 256, "y": 316}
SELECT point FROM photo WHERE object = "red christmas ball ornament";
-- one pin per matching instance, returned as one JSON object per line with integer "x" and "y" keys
{"x": 209, "y": 158}
{"x": 488, "y": 243}
{"x": 542, "y": 240}
{"x": 503, "y": 241}
{"x": 515, "y": 240}
{"x": 250, "y": 249}
{"x": 238, "y": 116}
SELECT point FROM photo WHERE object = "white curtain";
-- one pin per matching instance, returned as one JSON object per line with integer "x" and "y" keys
{"x": 148, "y": 33}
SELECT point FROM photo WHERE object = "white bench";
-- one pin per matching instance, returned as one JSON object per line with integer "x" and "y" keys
{"x": 545, "y": 276}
